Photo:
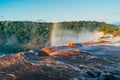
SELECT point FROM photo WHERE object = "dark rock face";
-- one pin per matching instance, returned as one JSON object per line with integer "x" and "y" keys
{"x": 58, "y": 63}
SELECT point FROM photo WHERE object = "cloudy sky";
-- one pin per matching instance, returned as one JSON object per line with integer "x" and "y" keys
{"x": 60, "y": 10}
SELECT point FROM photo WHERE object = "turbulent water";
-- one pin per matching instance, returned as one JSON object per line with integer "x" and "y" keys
{"x": 73, "y": 61}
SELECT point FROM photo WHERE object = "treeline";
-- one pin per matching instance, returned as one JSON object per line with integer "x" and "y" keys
{"x": 110, "y": 29}
{"x": 18, "y": 36}
{"x": 22, "y": 36}
{"x": 78, "y": 26}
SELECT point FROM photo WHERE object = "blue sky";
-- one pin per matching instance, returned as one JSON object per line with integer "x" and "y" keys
{"x": 60, "y": 10}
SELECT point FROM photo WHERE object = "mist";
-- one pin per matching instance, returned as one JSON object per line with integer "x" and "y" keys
{"x": 64, "y": 36}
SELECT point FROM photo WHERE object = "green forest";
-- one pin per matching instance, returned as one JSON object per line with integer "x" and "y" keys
{"x": 16, "y": 36}
{"x": 78, "y": 26}
{"x": 91, "y": 26}
{"x": 22, "y": 36}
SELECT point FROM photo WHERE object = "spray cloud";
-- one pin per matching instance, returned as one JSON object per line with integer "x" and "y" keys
{"x": 64, "y": 36}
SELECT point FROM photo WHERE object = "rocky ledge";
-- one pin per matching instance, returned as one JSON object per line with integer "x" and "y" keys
{"x": 67, "y": 62}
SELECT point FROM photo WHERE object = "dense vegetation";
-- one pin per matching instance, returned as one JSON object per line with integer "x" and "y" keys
{"x": 91, "y": 26}
{"x": 110, "y": 29}
{"x": 18, "y": 36}
{"x": 78, "y": 26}
{"x": 21, "y": 36}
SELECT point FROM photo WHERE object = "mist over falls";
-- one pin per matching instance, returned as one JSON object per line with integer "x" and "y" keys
{"x": 62, "y": 36}
{"x": 62, "y": 33}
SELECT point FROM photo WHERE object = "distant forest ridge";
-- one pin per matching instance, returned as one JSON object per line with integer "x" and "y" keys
{"x": 18, "y": 36}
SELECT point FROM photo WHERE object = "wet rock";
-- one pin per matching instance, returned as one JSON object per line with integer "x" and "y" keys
{"x": 60, "y": 50}
{"x": 42, "y": 53}
{"x": 74, "y": 45}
